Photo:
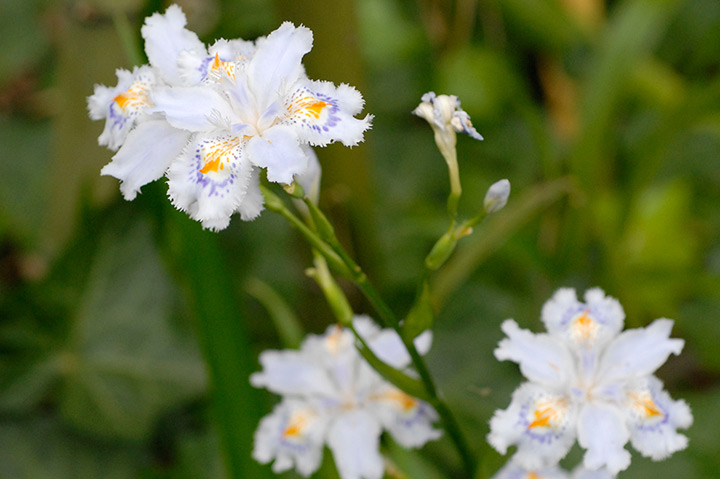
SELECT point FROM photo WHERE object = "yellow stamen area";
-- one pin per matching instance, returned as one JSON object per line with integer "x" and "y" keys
{"x": 332, "y": 342}
{"x": 135, "y": 96}
{"x": 546, "y": 413}
{"x": 310, "y": 106}
{"x": 215, "y": 155}
{"x": 532, "y": 475}
{"x": 584, "y": 326}
{"x": 644, "y": 404}
{"x": 406, "y": 402}
{"x": 295, "y": 426}
{"x": 228, "y": 67}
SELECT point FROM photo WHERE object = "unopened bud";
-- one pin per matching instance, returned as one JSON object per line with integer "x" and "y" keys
{"x": 497, "y": 196}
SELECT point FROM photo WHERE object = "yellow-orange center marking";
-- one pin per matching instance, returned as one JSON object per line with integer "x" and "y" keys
{"x": 646, "y": 405}
{"x": 296, "y": 425}
{"x": 542, "y": 418}
{"x": 532, "y": 475}
{"x": 406, "y": 402}
{"x": 585, "y": 325}
{"x": 310, "y": 106}
{"x": 215, "y": 155}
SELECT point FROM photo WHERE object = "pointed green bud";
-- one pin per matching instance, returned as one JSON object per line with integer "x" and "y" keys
{"x": 295, "y": 190}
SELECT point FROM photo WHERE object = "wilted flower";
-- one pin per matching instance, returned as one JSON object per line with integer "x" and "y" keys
{"x": 331, "y": 395}
{"x": 444, "y": 114}
{"x": 589, "y": 381}
{"x": 446, "y": 118}
{"x": 211, "y": 118}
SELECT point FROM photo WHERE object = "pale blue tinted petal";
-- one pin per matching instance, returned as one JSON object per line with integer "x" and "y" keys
{"x": 123, "y": 105}
{"x": 277, "y": 62}
{"x": 293, "y": 373}
{"x": 638, "y": 352}
{"x": 513, "y": 470}
{"x": 210, "y": 179}
{"x": 146, "y": 155}
{"x": 602, "y": 431}
{"x": 254, "y": 201}
{"x": 542, "y": 425}
{"x": 354, "y": 438}
{"x": 193, "y": 108}
{"x": 165, "y": 37}
{"x": 581, "y": 472}
{"x": 542, "y": 358}
{"x": 278, "y": 150}
{"x": 654, "y": 417}
{"x": 408, "y": 420}
{"x": 293, "y": 436}
{"x": 584, "y": 326}
{"x": 322, "y": 113}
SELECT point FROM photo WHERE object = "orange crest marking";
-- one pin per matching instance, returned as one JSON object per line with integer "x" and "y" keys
{"x": 216, "y": 155}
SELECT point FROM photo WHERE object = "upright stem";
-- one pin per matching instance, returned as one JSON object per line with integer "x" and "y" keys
{"x": 331, "y": 249}
{"x": 450, "y": 424}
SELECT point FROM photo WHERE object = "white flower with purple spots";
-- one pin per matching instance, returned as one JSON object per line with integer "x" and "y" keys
{"x": 210, "y": 118}
{"x": 332, "y": 396}
{"x": 589, "y": 381}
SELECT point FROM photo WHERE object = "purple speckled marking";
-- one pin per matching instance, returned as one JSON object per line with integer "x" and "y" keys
{"x": 221, "y": 188}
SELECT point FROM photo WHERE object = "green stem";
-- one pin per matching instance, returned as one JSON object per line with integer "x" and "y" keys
{"x": 332, "y": 250}
{"x": 450, "y": 424}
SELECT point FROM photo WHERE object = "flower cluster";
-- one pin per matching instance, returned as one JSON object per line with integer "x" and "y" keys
{"x": 211, "y": 118}
{"x": 332, "y": 395}
{"x": 590, "y": 381}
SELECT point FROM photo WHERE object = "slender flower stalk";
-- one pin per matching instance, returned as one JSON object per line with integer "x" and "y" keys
{"x": 446, "y": 118}
{"x": 354, "y": 272}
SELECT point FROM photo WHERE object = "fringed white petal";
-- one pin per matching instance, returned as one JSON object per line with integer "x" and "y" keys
{"x": 143, "y": 158}
{"x": 513, "y": 470}
{"x": 123, "y": 105}
{"x": 322, "y": 113}
{"x": 165, "y": 38}
{"x": 542, "y": 358}
{"x": 210, "y": 179}
{"x": 193, "y": 108}
{"x": 353, "y": 438}
{"x": 585, "y": 326}
{"x": 278, "y": 150}
{"x": 293, "y": 436}
{"x": 603, "y": 433}
{"x": 541, "y": 423}
{"x": 408, "y": 420}
{"x": 654, "y": 417}
{"x": 293, "y": 373}
{"x": 277, "y": 62}
{"x": 638, "y": 352}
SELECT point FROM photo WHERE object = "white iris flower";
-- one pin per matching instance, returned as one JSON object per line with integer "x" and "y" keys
{"x": 512, "y": 470}
{"x": 332, "y": 396}
{"x": 210, "y": 118}
{"x": 589, "y": 381}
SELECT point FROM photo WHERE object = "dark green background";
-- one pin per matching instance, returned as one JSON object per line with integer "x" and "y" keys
{"x": 605, "y": 117}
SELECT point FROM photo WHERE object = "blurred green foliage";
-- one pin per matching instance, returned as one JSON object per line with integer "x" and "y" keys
{"x": 605, "y": 116}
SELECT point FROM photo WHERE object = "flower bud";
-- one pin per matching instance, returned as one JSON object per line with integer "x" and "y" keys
{"x": 497, "y": 196}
